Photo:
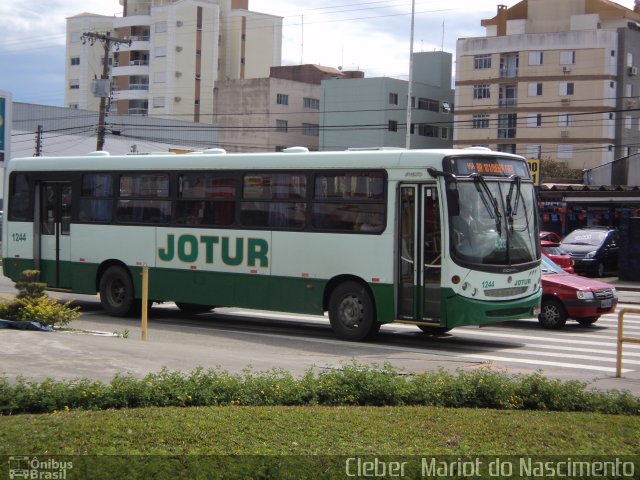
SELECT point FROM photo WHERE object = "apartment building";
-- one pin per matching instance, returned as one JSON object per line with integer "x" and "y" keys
{"x": 178, "y": 50}
{"x": 372, "y": 112}
{"x": 551, "y": 79}
{"x": 273, "y": 113}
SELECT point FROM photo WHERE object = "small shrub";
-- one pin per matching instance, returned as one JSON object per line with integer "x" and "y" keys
{"x": 32, "y": 304}
{"x": 353, "y": 385}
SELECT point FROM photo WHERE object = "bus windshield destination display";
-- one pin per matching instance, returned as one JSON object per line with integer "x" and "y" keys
{"x": 494, "y": 167}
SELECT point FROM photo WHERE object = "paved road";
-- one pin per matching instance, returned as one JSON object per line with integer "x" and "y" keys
{"x": 233, "y": 339}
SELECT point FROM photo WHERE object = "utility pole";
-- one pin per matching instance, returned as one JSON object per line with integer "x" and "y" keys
{"x": 38, "y": 142}
{"x": 107, "y": 41}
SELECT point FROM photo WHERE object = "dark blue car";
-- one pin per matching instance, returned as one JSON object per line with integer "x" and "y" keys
{"x": 594, "y": 250}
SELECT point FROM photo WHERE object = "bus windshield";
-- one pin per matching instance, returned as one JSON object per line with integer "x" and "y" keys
{"x": 494, "y": 221}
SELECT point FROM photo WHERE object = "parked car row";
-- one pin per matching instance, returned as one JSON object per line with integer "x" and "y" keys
{"x": 593, "y": 250}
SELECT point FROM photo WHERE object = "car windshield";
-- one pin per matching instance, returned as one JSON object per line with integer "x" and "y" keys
{"x": 548, "y": 266}
{"x": 496, "y": 223}
{"x": 555, "y": 250}
{"x": 585, "y": 237}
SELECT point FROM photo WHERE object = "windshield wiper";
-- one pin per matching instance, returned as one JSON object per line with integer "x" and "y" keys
{"x": 485, "y": 195}
{"x": 512, "y": 211}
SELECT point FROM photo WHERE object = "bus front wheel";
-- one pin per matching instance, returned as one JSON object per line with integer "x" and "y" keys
{"x": 351, "y": 312}
{"x": 116, "y": 292}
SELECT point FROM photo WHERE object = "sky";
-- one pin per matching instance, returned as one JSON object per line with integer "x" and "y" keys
{"x": 372, "y": 36}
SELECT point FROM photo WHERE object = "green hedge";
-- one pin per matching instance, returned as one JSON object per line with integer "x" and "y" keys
{"x": 354, "y": 384}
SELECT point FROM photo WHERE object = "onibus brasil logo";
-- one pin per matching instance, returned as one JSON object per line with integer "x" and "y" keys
{"x": 33, "y": 468}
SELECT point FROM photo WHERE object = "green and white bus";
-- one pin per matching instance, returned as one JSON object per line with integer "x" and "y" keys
{"x": 369, "y": 236}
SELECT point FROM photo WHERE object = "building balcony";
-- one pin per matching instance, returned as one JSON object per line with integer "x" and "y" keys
{"x": 135, "y": 67}
{"x": 508, "y": 72}
{"x": 134, "y": 92}
{"x": 508, "y": 102}
{"x": 132, "y": 21}
{"x": 138, "y": 43}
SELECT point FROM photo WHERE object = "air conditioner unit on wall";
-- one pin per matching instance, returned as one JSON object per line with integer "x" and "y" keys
{"x": 633, "y": 70}
{"x": 566, "y": 68}
{"x": 564, "y": 133}
{"x": 565, "y": 101}
{"x": 178, "y": 48}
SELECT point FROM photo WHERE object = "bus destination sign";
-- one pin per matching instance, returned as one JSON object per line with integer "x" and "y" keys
{"x": 493, "y": 167}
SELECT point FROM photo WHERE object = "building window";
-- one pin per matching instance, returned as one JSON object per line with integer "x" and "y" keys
{"x": 75, "y": 61}
{"x": 481, "y": 62}
{"x": 627, "y": 122}
{"x": 313, "y": 103}
{"x": 425, "y": 130}
{"x": 393, "y": 99}
{"x": 444, "y": 133}
{"x": 74, "y": 105}
{"x": 629, "y": 59}
{"x": 74, "y": 84}
{"x": 566, "y": 120}
{"x": 536, "y": 58}
{"x": 161, "y": 51}
{"x": 507, "y": 125}
{"x": 534, "y": 120}
{"x": 160, "y": 27}
{"x": 534, "y": 151}
{"x": 481, "y": 91}
{"x": 428, "y": 104}
{"x": 282, "y": 99}
{"x": 506, "y": 148}
{"x": 566, "y": 88}
{"x": 282, "y": 126}
{"x": 480, "y": 121}
{"x": 393, "y": 126}
{"x": 565, "y": 151}
{"x": 567, "y": 57}
{"x": 535, "y": 89}
{"x": 158, "y": 102}
{"x": 311, "y": 129}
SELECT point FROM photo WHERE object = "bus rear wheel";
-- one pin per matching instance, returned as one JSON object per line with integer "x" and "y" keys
{"x": 194, "y": 307}
{"x": 351, "y": 312}
{"x": 116, "y": 292}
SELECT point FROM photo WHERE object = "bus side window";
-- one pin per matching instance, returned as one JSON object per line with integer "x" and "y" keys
{"x": 20, "y": 196}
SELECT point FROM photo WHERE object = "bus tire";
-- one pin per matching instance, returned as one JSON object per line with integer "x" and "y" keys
{"x": 352, "y": 313}
{"x": 194, "y": 307}
{"x": 116, "y": 292}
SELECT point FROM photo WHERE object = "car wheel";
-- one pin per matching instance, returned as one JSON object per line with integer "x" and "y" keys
{"x": 586, "y": 321}
{"x": 553, "y": 315}
{"x": 352, "y": 313}
{"x": 428, "y": 329}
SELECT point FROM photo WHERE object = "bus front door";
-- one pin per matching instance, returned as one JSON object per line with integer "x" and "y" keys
{"x": 419, "y": 254}
{"x": 53, "y": 258}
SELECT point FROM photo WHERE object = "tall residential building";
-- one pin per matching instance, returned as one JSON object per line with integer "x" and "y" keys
{"x": 372, "y": 112}
{"x": 552, "y": 79}
{"x": 271, "y": 114}
{"x": 178, "y": 50}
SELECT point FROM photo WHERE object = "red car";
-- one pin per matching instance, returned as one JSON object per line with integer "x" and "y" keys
{"x": 558, "y": 254}
{"x": 565, "y": 295}
{"x": 550, "y": 237}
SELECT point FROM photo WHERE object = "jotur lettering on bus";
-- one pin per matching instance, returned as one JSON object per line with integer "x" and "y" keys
{"x": 215, "y": 249}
